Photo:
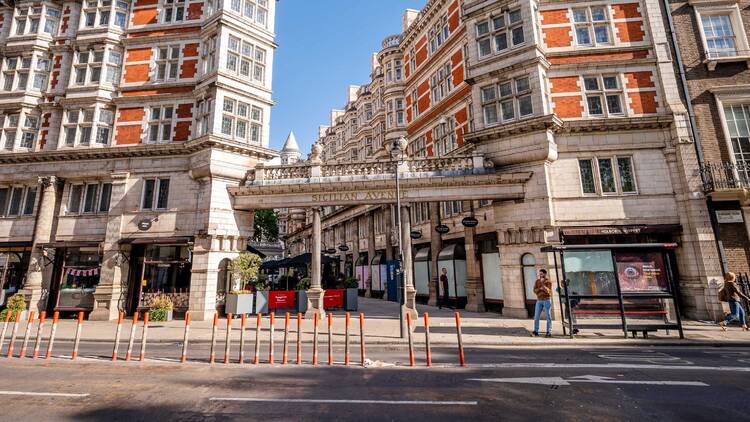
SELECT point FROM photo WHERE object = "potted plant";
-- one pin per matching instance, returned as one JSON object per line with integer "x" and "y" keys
{"x": 242, "y": 268}
{"x": 16, "y": 305}
{"x": 301, "y": 289}
{"x": 161, "y": 308}
{"x": 351, "y": 285}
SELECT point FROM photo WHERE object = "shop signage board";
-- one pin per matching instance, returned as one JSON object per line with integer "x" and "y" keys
{"x": 281, "y": 299}
{"x": 415, "y": 234}
{"x": 470, "y": 222}
{"x": 442, "y": 229}
{"x": 144, "y": 224}
{"x": 343, "y": 248}
{"x": 729, "y": 216}
{"x": 334, "y": 298}
{"x": 331, "y": 251}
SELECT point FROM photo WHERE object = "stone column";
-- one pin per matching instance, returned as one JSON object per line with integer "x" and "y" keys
{"x": 436, "y": 244}
{"x": 114, "y": 264}
{"x": 390, "y": 231}
{"x": 370, "y": 252}
{"x": 315, "y": 292}
{"x": 43, "y": 233}
{"x": 410, "y": 302}
{"x": 474, "y": 286}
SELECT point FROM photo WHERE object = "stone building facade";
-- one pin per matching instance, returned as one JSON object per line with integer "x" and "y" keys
{"x": 123, "y": 123}
{"x": 582, "y": 96}
{"x": 713, "y": 46}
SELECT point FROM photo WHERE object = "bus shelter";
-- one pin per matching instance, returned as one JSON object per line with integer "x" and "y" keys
{"x": 619, "y": 286}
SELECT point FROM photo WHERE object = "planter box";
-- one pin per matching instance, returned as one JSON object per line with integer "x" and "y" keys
{"x": 261, "y": 302}
{"x": 351, "y": 299}
{"x": 239, "y": 304}
{"x": 301, "y": 301}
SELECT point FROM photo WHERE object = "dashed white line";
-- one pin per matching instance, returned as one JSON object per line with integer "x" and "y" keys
{"x": 336, "y": 401}
{"x": 32, "y": 393}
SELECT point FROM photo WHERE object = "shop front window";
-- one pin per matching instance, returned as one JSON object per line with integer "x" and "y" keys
{"x": 13, "y": 266}
{"x": 80, "y": 276}
{"x": 166, "y": 269}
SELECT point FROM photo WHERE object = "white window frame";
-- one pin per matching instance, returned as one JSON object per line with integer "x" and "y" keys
{"x": 514, "y": 97}
{"x": 241, "y": 114}
{"x": 591, "y": 25}
{"x": 15, "y": 70}
{"x": 444, "y": 137}
{"x": 441, "y": 83}
{"x": 94, "y": 120}
{"x": 489, "y": 30}
{"x": 23, "y": 202}
{"x": 246, "y": 60}
{"x": 163, "y": 118}
{"x": 738, "y": 28}
{"x": 173, "y": 11}
{"x": 596, "y": 170}
{"x": 256, "y": 11}
{"x": 603, "y": 93}
{"x": 438, "y": 34}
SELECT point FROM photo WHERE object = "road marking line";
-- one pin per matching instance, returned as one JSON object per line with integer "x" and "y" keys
{"x": 327, "y": 401}
{"x": 31, "y": 393}
{"x": 600, "y": 366}
{"x": 587, "y": 379}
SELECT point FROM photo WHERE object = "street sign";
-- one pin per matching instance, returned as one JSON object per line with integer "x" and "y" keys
{"x": 343, "y": 248}
{"x": 144, "y": 224}
{"x": 415, "y": 234}
{"x": 442, "y": 229}
{"x": 470, "y": 222}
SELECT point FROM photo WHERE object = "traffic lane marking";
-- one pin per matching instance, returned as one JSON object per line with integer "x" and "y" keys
{"x": 539, "y": 365}
{"x": 342, "y": 401}
{"x": 38, "y": 394}
{"x": 592, "y": 379}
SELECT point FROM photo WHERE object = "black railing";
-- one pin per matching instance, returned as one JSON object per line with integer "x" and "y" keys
{"x": 725, "y": 176}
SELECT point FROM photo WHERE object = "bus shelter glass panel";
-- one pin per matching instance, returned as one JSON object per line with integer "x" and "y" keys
{"x": 493, "y": 284}
{"x": 644, "y": 276}
{"x": 362, "y": 271}
{"x": 453, "y": 258}
{"x": 422, "y": 272}
{"x": 590, "y": 273}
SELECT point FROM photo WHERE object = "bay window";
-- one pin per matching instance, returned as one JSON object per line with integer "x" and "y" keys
{"x": 16, "y": 73}
{"x": 444, "y": 137}
{"x": 30, "y": 20}
{"x": 254, "y": 10}
{"x": 10, "y": 128}
{"x": 208, "y": 55}
{"x": 88, "y": 65}
{"x": 40, "y": 74}
{"x": 203, "y": 116}
{"x": 84, "y": 126}
{"x": 246, "y": 60}
{"x": 29, "y": 131}
{"x": 241, "y": 121}
{"x": 497, "y": 33}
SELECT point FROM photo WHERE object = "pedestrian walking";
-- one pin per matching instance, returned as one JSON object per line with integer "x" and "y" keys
{"x": 543, "y": 292}
{"x": 731, "y": 293}
{"x": 444, "y": 289}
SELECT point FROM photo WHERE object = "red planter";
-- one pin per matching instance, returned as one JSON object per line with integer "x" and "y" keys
{"x": 281, "y": 299}
{"x": 334, "y": 298}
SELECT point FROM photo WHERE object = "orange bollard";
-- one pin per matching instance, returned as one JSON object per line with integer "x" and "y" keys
{"x": 315, "y": 339}
{"x": 258, "y": 320}
{"x": 26, "y": 335}
{"x": 346, "y": 340}
{"x": 144, "y": 337}
{"x": 13, "y": 334}
{"x": 188, "y": 318}
{"x": 118, "y": 331}
{"x": 330, "y": 339}
{"x": 212, "y": 353}
{"x": 5, "y": 328}
{"x": 411, "y": 342}
{"x": 285, "y": 350}
{"x": 79, "y": 328}
{"x": 362, "y": 337}
{"x": 51, "y": 340}
{"x": 299, "y": 338}
{"x": 270, "y": 343}
{"x": 132, "y": 337}
{"x": 460, "y": 342}
{"x": 427, "y": 339}
{"x": 243, "y": 322}
{"x": 228, "y": 342}
{"x": 39, "y": 331}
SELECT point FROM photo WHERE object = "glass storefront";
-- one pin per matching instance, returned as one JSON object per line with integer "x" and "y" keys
{"x": 14, "y": 263}
{"x": 79, "y": 278}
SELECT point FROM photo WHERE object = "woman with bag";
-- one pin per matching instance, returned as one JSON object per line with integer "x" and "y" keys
{"x": 731, "y": 293}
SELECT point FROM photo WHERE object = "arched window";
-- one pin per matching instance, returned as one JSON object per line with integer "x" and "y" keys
{"x": 223, "y": 281}
{"x": 528, "y": 264}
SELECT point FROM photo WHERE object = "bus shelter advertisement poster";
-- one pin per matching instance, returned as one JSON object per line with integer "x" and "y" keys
{"x": 641, "y": 271}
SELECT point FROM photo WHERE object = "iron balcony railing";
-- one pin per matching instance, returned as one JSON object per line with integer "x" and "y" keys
{"x": 726, "y": 176}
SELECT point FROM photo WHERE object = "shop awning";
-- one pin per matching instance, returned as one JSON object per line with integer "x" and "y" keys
{"x": 554, "y": 248}
{"x": 176, "y": 240}
{"x": 452, "y": 252}
{"x": 256, "y": 252}
{"x": 306, "y": 259}
{"x": 71, "y": 244}
{"x": 422, "y": 255}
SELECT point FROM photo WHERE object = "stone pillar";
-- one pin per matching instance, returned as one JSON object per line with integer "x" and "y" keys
{"x": 315, "y": 292}
{"x": 410, "y": 302}
{"x": 390, "y": 231}
{"x": 203, "y": 280}
{"x": 474, "y": 285}
{"x": 43, "y": 233}
{"x": 514, "y": 296}
{"x": 436, "y": 244}
{"x": 370, "y": 252}
{"x": 114, "y": 264}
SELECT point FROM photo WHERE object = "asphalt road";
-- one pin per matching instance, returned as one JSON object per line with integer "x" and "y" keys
{"x": 498, "y": 384}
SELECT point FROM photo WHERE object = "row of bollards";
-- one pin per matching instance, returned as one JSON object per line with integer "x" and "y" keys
{"x": 228, "y": 338}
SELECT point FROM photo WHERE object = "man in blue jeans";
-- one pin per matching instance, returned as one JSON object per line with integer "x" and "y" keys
{"x": 543, "y": 292}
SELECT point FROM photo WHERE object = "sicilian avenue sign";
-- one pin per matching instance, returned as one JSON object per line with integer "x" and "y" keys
{"x": 365, "y": 196}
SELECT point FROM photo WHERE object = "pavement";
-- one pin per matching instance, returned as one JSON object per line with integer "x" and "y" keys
{"x": 512, "y": 383}
{"x": 382, "y": 327}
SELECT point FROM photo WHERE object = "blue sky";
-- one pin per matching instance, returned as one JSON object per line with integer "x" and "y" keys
{"x": 324, "y": 46}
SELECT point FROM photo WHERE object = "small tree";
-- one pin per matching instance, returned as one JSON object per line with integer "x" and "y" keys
{"x": 266, "y": 225}
{"x": 243, "y": 268}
